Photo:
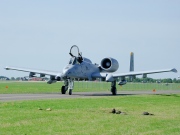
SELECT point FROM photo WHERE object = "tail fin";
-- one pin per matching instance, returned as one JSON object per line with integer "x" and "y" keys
{"x": 131, "y": 62}
{"x": 131, "y": 66}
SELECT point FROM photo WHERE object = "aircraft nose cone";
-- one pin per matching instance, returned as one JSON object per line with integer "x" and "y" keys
{"x": 67, "y": 72}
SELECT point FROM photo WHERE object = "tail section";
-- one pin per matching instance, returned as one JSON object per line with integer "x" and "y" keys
{"x": 131, "y": 66}
{"x": 131, "y": 62}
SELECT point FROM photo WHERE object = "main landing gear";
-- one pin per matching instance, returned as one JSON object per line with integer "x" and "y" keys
{"x": 113, "y": 88}
{"x": 68, "y": 86}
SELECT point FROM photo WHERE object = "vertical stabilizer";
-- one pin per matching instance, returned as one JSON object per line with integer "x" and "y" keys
{"x": 131, "y": 66}
{"x": 131, "y": 62}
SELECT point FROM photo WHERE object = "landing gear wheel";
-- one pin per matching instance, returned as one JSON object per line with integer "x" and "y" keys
{"x": 113, "y": 90}
{"x": 70, "y": 91}
{"x": 63, "y": 90}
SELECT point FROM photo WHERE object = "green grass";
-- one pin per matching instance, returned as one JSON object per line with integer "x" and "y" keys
{"x": 91, "y": 116}
{"x": 43, "y": 87}
{"x": 28, "y": 87}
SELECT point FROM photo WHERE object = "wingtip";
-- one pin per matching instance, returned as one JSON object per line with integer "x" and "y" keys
{"x": 174, "y": 70}
{"x": 7, "y": 68}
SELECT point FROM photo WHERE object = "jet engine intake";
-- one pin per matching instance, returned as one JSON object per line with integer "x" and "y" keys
{"x": 109, "y": 65}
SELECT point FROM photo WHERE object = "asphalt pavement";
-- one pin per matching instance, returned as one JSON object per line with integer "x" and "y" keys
{"x": 15, "y": 97}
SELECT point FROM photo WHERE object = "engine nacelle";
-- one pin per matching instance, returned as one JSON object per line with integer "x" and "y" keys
{"x": 109, "y": 64}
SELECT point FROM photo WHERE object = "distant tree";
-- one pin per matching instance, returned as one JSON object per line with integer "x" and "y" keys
{"x": 178, "y": 81}
{"x": 137, "y": 80}
{"x": 167, "y": 80}
{"x": 3, "y": 77}
{"x": 18, "y": 78}
{"x": 174, "y": 80}
{"x": 151, "y": 80}
{"x": 12, "y": 78}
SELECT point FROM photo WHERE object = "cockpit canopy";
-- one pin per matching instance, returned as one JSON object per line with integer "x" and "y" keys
{"x": 74, "y": 51}
{"x": 71, "y": 61}
{"x": 76, "y": 55}
{"x": 75, "y": 60}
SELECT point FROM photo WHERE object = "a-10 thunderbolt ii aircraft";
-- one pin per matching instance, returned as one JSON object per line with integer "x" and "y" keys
{"x": 82, "y": 68}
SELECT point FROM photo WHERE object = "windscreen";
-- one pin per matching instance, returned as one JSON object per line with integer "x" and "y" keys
{"x": 71, "y": 61}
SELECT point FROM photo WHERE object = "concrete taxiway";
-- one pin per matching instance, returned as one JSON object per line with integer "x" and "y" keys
{"x": 14, "y": 97}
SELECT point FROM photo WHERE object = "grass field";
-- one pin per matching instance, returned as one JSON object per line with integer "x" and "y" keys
{"x": 91, "y": 116}
{"x": 43, "y": 87}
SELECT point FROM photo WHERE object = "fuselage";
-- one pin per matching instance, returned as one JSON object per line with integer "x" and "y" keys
{"x": 76, "y": 69}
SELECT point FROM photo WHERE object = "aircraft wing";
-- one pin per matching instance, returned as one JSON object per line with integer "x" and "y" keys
{"x": 145, "y": 72}
{"x": 115, "y": 75}
{"x": 43, "y": 72}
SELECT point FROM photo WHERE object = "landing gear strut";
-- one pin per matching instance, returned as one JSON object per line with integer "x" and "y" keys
{"x": 113, "y": 88}
{"x": 68, "y": 85}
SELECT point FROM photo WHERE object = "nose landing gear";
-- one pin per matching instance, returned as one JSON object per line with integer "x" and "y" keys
{"x": 68, "y": 86}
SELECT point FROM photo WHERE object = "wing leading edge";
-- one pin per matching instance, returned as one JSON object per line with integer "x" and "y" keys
{"x": 95, "y": 75}
{"x": 115, "y": 75}
{"x": 44, "y": 72}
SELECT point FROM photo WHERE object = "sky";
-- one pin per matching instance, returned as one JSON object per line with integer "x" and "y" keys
{"x": 39, "y": 34}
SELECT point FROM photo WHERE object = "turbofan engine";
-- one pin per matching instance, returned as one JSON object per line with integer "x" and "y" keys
{"x": 109, "y": 64}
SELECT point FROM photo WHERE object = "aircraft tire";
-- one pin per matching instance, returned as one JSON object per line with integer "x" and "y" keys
{"x": 63, "y": 91}
{"x": 70, "y": 91}
{"x": 114, "y": 90}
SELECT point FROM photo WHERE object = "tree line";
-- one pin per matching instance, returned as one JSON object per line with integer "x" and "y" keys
{"x": 135, "y": 80}
{"x": 151, "y": 80}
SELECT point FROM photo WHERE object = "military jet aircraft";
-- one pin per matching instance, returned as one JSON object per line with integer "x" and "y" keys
{"x": 82, "y": 68}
